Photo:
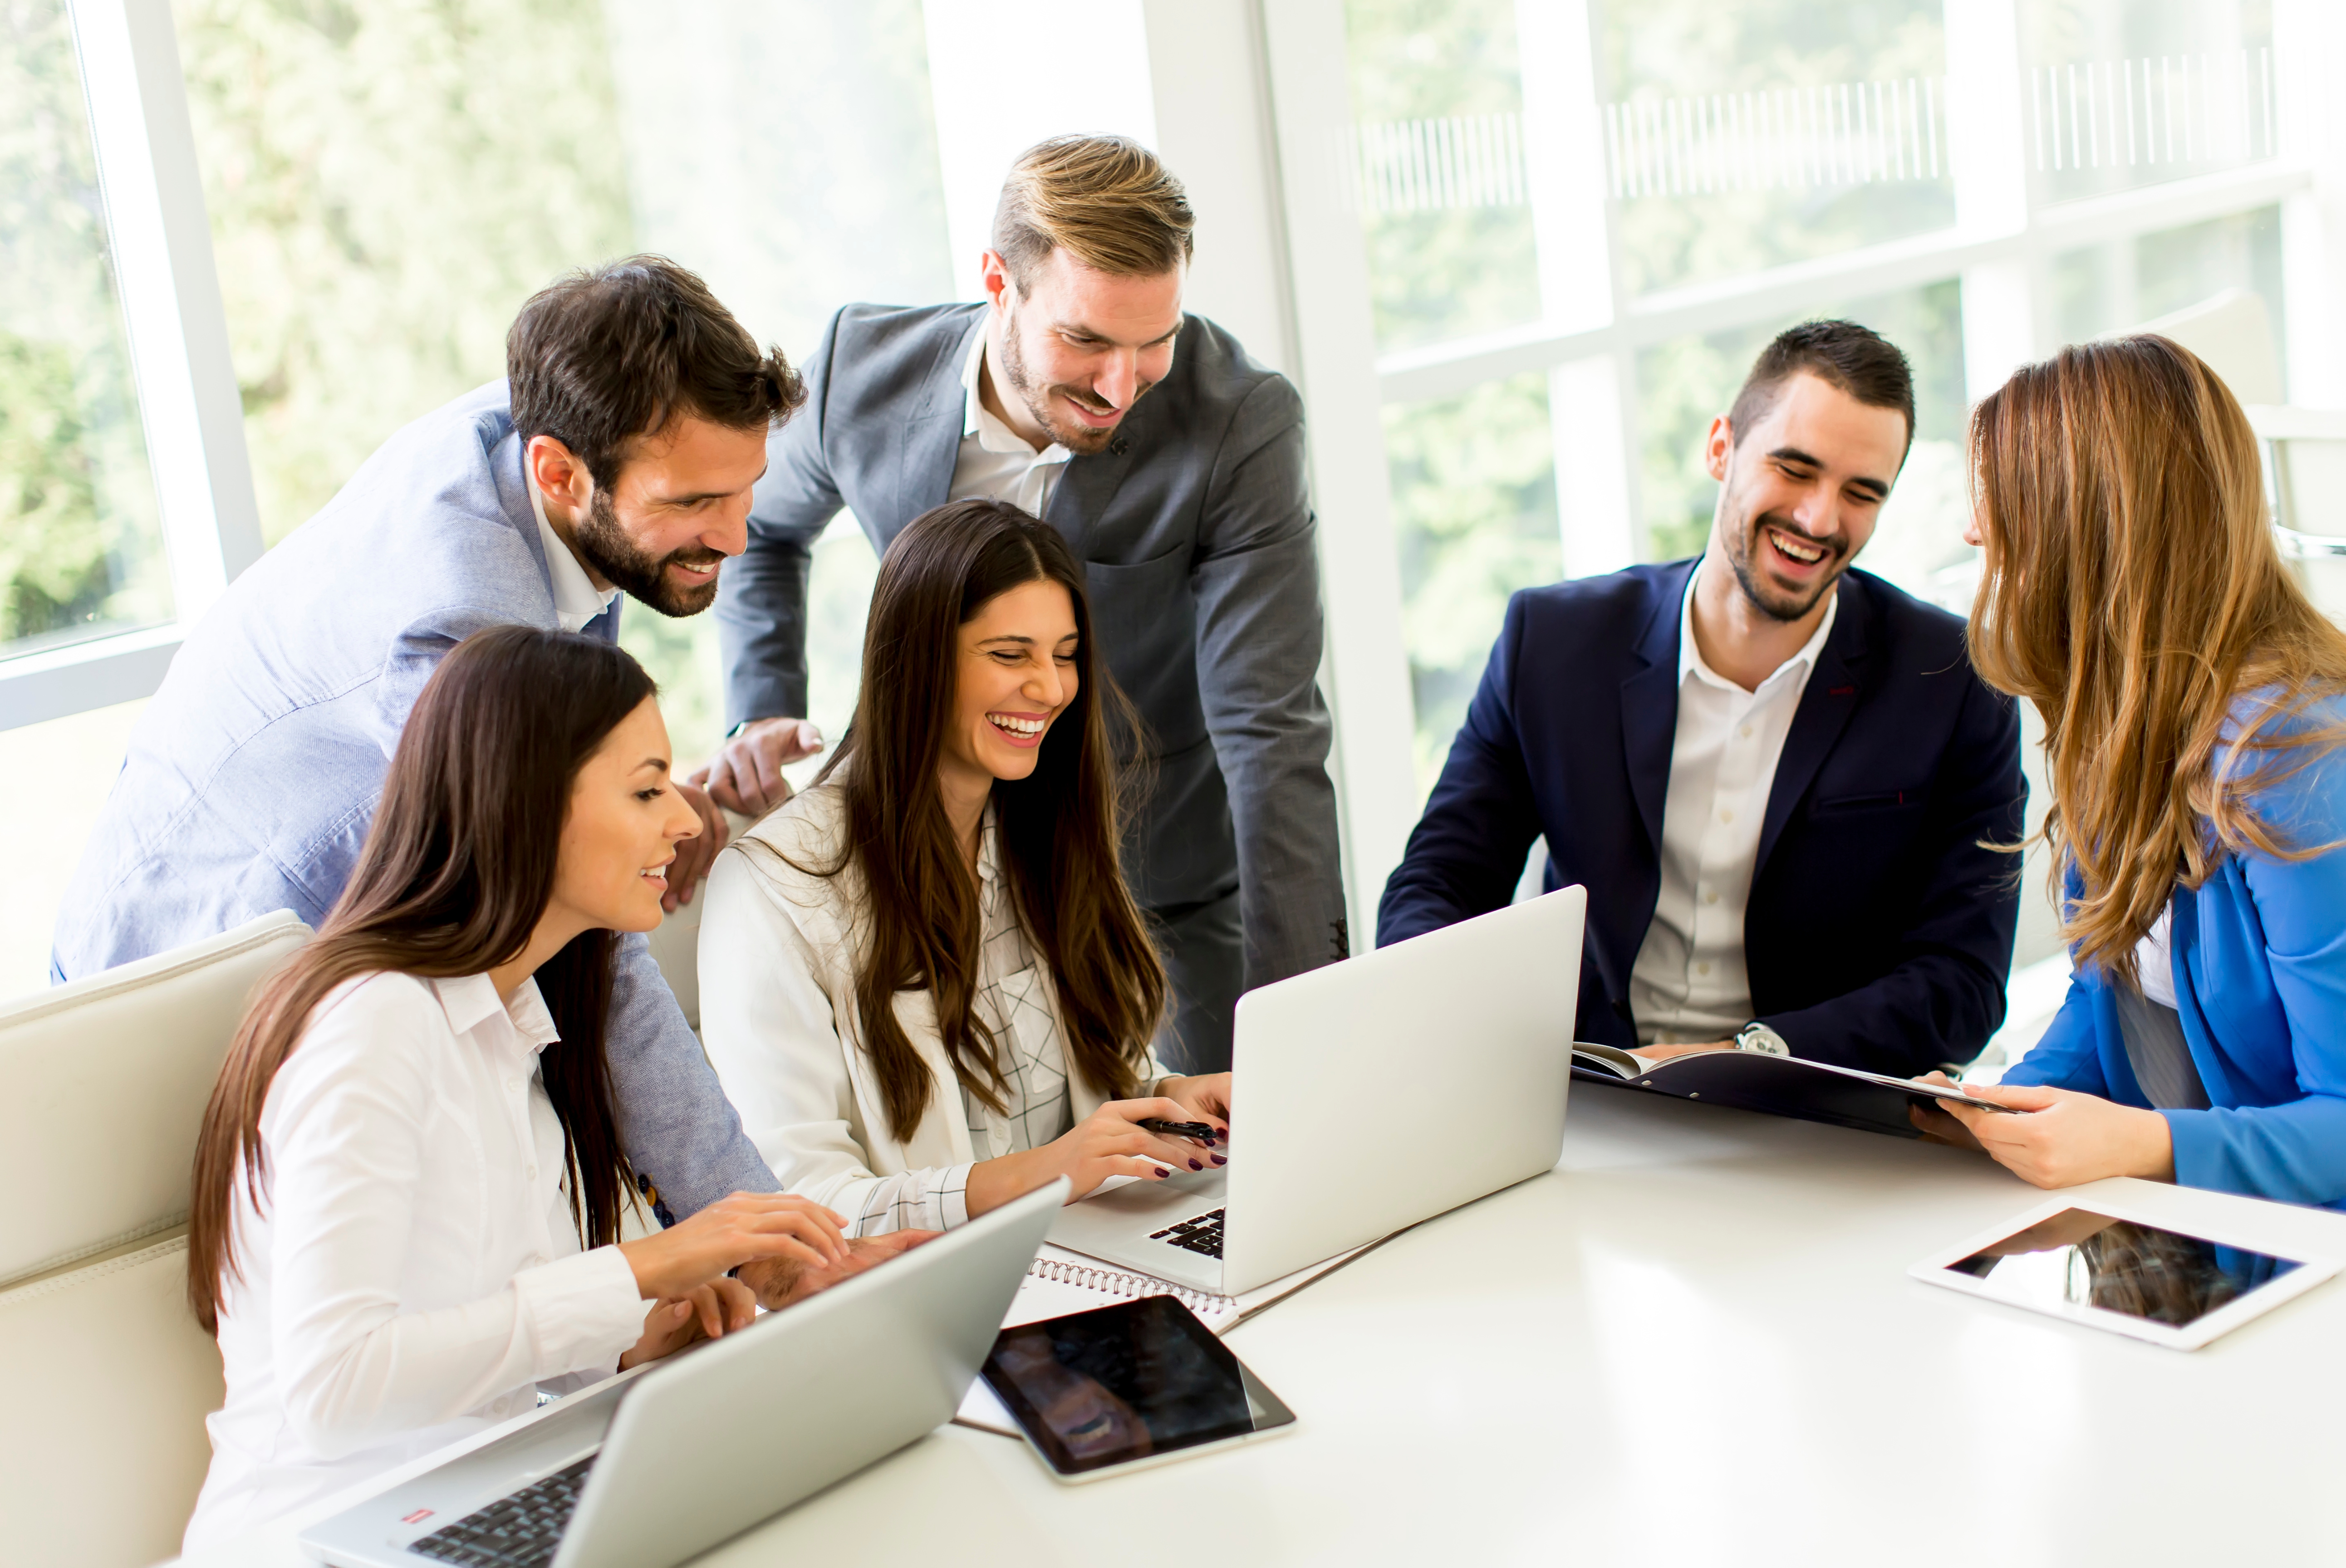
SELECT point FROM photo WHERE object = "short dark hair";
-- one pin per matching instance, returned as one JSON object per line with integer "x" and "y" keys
{"x": 615, "y": 351}
{"x": 1850, "y": 359}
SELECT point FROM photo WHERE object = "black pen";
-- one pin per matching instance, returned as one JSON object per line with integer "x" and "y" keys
{"x": 1200, "y": 1131}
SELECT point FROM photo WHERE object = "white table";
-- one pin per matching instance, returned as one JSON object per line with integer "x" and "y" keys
{"x": 1692, "y": 1342}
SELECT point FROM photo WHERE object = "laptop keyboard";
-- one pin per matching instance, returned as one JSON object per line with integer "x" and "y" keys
{"x": 520, "y": 1530}
{"x": 1202, "y": 1233}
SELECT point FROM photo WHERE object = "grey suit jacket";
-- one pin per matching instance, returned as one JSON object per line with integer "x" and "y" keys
{"x": 1196, "y": 537}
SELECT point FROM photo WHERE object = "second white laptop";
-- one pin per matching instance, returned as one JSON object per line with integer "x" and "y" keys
{"x": 1368, "y": 1095}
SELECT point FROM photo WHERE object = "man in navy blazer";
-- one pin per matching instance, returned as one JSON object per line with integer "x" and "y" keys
{"x": 1778, "y": 777}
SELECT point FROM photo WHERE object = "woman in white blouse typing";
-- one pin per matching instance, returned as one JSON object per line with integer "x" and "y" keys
{"x": 922, "y": 981}
{"x": 413, "y": 1135}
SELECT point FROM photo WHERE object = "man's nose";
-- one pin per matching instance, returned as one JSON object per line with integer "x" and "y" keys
{"x": 1116, "y": 380}
{"x": 731, "y": 536}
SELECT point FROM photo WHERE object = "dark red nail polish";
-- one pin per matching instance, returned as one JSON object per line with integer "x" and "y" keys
{"x": 1220, "y": 1161}
{"x": 1196, "y": 1167}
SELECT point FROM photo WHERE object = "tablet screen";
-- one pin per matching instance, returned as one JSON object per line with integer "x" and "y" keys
{"x": 2079, "y": 1258}
{"x": 1130, "y": 1382}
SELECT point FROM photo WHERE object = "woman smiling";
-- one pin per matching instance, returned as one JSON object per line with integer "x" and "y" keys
{"x": 923, "y": 982}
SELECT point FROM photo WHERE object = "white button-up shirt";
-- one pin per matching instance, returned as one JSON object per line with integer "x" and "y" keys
{"x": 414, "y": 1272}
{"x": 576, "y": 599}
{"x": 1689, "y": 985}
{"x": 994, "y": 460}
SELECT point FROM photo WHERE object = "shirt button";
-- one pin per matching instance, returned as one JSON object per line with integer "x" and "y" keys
{"x": 1746, "y": 732}
{"x": 531, "y": 1173}
{"x": 514, "y": 1084}
{"x": 1702, "y": 969}
{"x": 1727, "y": 816}
{"x": 537, "y": 1259}
{"x": 1711, "y": 898}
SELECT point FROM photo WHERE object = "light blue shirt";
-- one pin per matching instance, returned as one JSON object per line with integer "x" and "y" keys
{"x": 252, "y": 777}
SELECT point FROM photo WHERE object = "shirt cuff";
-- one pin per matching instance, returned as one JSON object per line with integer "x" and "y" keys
{"x": 581, "y": 1311}
{"x": 949, "y": 1196}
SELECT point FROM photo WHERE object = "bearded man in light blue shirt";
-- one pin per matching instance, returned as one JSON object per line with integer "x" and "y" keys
{"x": 617, "y": 456}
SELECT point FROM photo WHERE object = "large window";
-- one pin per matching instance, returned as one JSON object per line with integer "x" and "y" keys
{"x": 81, "y": 544}
{"x": 532, "y": 138}
{"x": 1517, "y": 253}
{"x": 1581, "y": 219}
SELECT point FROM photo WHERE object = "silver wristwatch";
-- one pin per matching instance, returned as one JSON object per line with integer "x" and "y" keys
{"x": 1761, "y": 1038}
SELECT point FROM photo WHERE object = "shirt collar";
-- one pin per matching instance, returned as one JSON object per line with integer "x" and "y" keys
{"x": 1690, "y": 662}
{"x": 576, "y": 600}
{"x": 977, "y": 420}
{"x": 471, "y": 1000}
{"x": 989, "y": 858}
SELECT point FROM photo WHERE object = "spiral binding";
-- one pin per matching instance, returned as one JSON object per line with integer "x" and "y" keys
{"x": 1115, "y": 1282}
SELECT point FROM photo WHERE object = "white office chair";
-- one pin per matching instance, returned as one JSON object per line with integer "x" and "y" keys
{"x": 107, "y": 1377}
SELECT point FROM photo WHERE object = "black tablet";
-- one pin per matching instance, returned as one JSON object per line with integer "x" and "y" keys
{"x": 1136, "y": 1383}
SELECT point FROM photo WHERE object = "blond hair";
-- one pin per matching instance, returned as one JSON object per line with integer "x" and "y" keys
{"x": 2134, "y": 592}
{"x": 1105, "y": 200}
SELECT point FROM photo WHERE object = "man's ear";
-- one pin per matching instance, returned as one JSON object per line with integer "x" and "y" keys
{"x": 561, "y": 478}
{"x": 994, "y": 277}
{"x": 1718, "y": 448}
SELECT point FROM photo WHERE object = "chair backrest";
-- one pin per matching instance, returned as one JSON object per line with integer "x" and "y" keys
{"x": 103, "y": 1447}
{"x": 2305, "y": 487}
{"x": 2232, "y": 330}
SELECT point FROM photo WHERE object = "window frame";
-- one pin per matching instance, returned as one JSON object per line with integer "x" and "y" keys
{"x": 2001, "y": 250}
{"x": 191, "y": 410}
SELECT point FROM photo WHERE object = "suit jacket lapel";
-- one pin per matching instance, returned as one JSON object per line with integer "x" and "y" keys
{"x": 1831, "y": 698}
{"x": 1650, "y": 704}
{"x": 932, "y": 435}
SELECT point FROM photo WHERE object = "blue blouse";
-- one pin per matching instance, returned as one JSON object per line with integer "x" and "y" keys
{"x": 2259, "y": 959}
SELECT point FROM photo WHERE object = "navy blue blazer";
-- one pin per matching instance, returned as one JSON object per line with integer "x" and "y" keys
{"x": 1879, "y": 932}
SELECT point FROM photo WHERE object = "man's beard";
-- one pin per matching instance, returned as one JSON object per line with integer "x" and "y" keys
{"x": 1081, "y": 440}
{"x": 621, "y": 562}
{"x": 1744, "y": 544}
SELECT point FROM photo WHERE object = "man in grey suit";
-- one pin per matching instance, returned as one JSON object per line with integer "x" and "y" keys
{"x": 1174, "y": 465}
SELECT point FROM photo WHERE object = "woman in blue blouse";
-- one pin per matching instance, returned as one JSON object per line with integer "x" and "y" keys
{"x": 2195, "y": 705}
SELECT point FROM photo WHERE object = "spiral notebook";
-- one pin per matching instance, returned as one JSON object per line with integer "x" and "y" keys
{"x": 1059, "y": 1282}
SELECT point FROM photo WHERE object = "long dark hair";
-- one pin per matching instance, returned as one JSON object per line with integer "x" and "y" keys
{"x": 1058, "y": 829}
{"x": 456, "y": 870}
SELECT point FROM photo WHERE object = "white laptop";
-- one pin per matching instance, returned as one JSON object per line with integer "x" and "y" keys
{"x": 1368, "y": 1095}
{"x": 697, "y": 1449}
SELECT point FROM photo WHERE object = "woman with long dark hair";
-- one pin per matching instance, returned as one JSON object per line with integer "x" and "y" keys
{"x": 2194, "y": 705}
{"x": 922, "y": 981}
{"x": 409, "y": 1183}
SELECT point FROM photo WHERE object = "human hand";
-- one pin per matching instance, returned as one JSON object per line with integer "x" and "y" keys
{"x": 1206, "y": 1098}
{"x": 708, "y": 1312}
{"x": 1110, "y": 1141}
{"x": 695, "y": 855}
{"x": 746, "y": 774}
{"x": 745, "y": 1227}
{"x": 1935, "y": 1125}
{"x": 2066, "y": 1137}
{"x": 782, "y": 1282}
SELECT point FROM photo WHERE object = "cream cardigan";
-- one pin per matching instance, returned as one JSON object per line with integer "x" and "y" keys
{"x": 779, "y": 1017}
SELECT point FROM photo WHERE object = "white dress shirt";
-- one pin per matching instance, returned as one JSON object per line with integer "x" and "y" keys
{"x": 2154, "y": 958}
{"x": 994, "y": 460}
{"x": 576, "y": 599}
{"x": 778, "y": 958}
{"x": 413, "y": 1273}
{"x": 1689, "y": 985}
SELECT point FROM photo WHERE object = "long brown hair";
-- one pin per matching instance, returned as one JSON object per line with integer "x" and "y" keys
{"x": 456, "y": 870}
{"x": 1058, "y": 829}
{"x": 2134, "y": 592}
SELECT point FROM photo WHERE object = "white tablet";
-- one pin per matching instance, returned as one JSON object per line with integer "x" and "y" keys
{"x": 2114, "y": 1265}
